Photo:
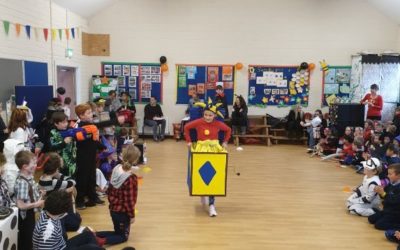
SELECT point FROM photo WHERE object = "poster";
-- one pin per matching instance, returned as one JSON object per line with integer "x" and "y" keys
{"x": 228, "y": 85}
{"x": 145, "y": 70}
{"x": 117, "y": 70}
{"x": 134, "y": 70}
{"x": 155, "y": 70}
{"x": 336, "y": 85}
{"x": 126, "y": 70}
{"x": 146, "y": 89}
{"x": 132, "y": 92}
{"x": 212, "y": 74}
{"x": 200, "y": 88}
{"x": 132, "y": 82}
{"x": 121, "y": 81}
{"x": 108, "y": 70}
{"x": 227, "y": 73}
{"x": 182, "y": 70}
{"x": 182, "y": 81}
{"x": 192, "y": 89}
{"x": 155, "y": 78}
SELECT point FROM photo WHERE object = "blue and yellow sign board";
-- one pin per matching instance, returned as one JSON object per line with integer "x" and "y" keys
{"x": 207, "y": 174}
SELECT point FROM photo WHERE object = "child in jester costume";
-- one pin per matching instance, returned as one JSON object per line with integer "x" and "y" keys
{"x": 207, "y": 129}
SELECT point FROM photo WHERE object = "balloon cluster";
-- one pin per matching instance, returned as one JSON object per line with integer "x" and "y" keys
{"x": 164, "y": 65}
{"x": 307, "y": 66}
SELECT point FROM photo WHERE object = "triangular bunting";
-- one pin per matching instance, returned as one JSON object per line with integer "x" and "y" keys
{"x": 60, "y": 33}
{"x": 67, "y": 33}
{"x": 53, "y": 34}
{"x": 45, "y": 33}
{"x": 18, "y": 28}
{"x": 36, "y": 31}
{"x": 73, "y": 33}
{"x": 6, "y": 26}
{"x": 28, "y": 31}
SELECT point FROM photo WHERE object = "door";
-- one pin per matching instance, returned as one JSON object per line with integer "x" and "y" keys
{"x": 66, "y": 79}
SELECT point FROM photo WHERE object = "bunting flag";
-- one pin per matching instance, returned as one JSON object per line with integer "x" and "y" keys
{"x": 45, "y": 33}
{"x": 28, "y": 31}
{"x": 67, "y": 33}
{"x": 53, "y": 34}
{"x": 6, "y": 26}
{"x": 36, "y": 31}
{"x": 18, "y": 28}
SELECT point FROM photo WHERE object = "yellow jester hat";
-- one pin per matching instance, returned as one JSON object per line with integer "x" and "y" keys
{"x": 210, "y": 106}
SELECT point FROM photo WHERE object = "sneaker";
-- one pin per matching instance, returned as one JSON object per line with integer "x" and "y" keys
{"x": 80, "y": 205}
{"x": 99, "y": 201}
{"x": 100, "y": 241}
{"x": 343, "y": 166}
{"x": 162, "y": 138}
{"x": 90, "y": 204}
{"x": 212, "y": 211}
{"x": 309, "y": 150}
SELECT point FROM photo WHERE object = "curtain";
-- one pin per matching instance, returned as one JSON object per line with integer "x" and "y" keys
{"x": 382, "y": 70}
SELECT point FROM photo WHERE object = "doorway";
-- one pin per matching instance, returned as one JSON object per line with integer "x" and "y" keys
{"x": 66, "y": 78}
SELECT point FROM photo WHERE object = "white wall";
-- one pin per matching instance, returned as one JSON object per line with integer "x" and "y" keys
{"x": 37, "y": 13}
{"x": 283, "y": 32}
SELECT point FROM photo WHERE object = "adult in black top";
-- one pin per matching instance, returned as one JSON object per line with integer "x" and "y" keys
{"x": 239, "y": 116}
{"x": 153, "y": 117}
{"x": 294, "y": 118}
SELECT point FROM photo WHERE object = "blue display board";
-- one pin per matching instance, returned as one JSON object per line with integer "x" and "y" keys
{"x": 140, "y": 80}
{"x": 336, "y": 85}
{"x": 278, "y": 85}
{"x": 35, "y": 73}
{"x": 202, "y": 79}
{"x": 38, "y": 98}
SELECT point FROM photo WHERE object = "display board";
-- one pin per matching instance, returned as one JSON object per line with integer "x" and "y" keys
{"x": 336, "y": 85}
{"x": 202, "y": 79}
{"x": 278, "y": 85}
{"x": 141, "y": 80}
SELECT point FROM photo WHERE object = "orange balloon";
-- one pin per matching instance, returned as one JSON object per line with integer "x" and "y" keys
{"x": 164, "y": 67}
{"x": 239, "y": 66}
{"x": 311, "y": 66}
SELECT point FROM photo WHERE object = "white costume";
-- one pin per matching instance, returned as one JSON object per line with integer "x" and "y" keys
{"x": 11, "y": 171}
{"x": 364, "y": 198}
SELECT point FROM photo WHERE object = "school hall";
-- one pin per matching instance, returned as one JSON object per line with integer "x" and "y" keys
{"x": 214, "y": 124}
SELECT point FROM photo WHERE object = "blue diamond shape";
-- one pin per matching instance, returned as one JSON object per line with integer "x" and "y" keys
{"x": 207, "y": 172}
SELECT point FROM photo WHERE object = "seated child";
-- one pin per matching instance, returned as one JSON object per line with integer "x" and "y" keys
{"x": 327, "y": 144}
{"x": 122, "y": 195}
{"x": 358, "y": 147}
{"x": 5, "y": 199}
{"x": 48, "y": 233}
{"x": 27, "y": 197}
{"x": 389, "y": 217}
{"x": 348, "y": 132}
{"x": 347, "y": 154}
{"x": 365, "y": 199}
{"x": 368, "y": 130}
{"x": 391, "y": 158}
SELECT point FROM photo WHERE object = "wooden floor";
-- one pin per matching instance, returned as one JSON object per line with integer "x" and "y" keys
{"x": 282, "y": 200}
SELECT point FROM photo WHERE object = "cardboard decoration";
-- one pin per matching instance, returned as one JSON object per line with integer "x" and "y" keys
{"x": 207, "y": 174}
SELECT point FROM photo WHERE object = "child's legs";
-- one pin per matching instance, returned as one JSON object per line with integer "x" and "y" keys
{"x": 375, "y": 217}
{"x": 122, "y": 227}
{"x": 243, "y": 130}
{"x": 91, "y": 183}
{"x": 211, "y": 200}
{"x": 362, "y": 209}
{"x": 26, "y": 227}
{"x": 386, "y": 222}
{"x": 80, "y": 240}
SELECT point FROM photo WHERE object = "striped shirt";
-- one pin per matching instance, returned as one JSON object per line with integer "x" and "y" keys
{"x": 48, "y": 234}
{"x": 50, "y": 185}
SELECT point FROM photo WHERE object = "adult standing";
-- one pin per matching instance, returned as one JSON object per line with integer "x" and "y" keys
{"x": 374, "y": 102}
{"x": 153, "y": 117}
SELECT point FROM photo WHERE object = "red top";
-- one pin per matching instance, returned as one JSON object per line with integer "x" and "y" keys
{"x": 123, "y": 199}
{"x": 207, "y": 131}
{"x": 377, "y": 103}
{"x": 347, "y": 150}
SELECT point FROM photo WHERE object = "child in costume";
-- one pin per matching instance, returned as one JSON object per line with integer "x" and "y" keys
{"x": 207, "y": 129}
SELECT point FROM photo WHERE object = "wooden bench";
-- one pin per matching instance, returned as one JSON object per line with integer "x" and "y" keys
{"x": 257, "y": 129}
{"x": 277, "y": 136}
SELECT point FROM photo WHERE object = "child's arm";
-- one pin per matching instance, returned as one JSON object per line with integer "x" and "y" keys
{"x": 29, "y": 205}
{"x": 130, "y": 194}
{"x": 22, "y": 194}
{"x": 227, "y": 130}
{"x": 56, "y": 145}
{"x": 390, "y": 198}
{"x": 188, "y": 127}
{"x": 370, "y": 195}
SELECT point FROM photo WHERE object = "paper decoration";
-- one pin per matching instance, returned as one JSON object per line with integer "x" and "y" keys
{"x": 6, "y": 26}
{"x": 28, "y": 28}
{"x": 28, "y": 31}
{"x": 18, "y": 28}
{"x": 53, "y": 34}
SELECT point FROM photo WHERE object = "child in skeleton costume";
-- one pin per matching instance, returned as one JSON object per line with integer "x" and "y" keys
{"x": 207, "y": 129}
{"x": 365, "y": 199}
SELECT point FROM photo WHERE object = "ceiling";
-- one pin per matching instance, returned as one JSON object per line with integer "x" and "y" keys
{"x": 89, "y": 8}
{"x": 85, "y": 8}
